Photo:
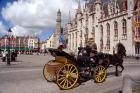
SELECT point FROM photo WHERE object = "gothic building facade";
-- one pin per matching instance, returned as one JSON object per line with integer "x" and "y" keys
{"x": 105, "y": 23}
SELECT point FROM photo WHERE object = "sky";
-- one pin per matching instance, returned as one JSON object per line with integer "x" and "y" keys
{"x": 34, "y": 17}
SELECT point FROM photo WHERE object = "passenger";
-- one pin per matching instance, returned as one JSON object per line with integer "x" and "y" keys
{"x": 93, "y": 55}
{"x": 4, "y": 53}
{"x": 61, "y": 47}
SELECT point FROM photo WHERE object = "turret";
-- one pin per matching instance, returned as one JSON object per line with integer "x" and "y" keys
{"x": 58, "y": 16}
{"x": 79, "y": 7}
{"x": 69, "y": 20}
{"x": 79, "y": 12}
{"x": 130, "y": 5}
{"x": 98, "y": 10}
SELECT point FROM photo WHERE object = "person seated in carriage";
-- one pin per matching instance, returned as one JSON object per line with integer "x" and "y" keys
{"x": 93, "y": 55}
{"x": 87, "y": 55}
{"x": 60, "y": 47}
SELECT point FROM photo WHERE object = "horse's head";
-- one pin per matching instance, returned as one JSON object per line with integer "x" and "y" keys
{"x": 121, "y": 50}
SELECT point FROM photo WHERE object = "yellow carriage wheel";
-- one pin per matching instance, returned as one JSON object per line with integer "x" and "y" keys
{"x": 46, "y": 74}
{"x": 67, "y": 76}
{"x": 99, "y": 74}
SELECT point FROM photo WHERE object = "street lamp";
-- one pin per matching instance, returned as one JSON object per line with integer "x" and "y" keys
{"x": 9, "y": 34}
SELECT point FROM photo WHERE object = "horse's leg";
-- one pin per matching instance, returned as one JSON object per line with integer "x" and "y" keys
{"x": 116, "y": 73}
{"x": 121, "y": 65}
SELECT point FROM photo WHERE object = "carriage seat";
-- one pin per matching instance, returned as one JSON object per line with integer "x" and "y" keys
{"x": 61, "y": 54}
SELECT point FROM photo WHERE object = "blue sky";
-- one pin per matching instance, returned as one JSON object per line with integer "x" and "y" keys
{"x": 46, "y": 32}
{"x": 2, "y": 5}
{"x": 34, "y": 17}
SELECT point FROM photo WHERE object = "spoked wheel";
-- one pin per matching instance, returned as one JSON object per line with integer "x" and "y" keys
{"x": 99, "y": 74}
{"x": 46, "y": 74}
{"x": 67, "y": 76}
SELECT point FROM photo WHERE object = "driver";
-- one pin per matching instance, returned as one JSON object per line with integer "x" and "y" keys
{"x": 93, "y": 55}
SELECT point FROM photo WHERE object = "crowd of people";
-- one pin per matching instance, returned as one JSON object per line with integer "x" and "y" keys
{"x": 13, "y": 55}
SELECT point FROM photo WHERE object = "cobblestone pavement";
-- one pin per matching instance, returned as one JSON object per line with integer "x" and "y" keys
{"x": 25, "y": 76}
{"x": 136, "y": 89}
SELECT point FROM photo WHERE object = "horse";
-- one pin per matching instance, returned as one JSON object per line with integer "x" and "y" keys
{"x": 105, "y": 59}
{"x": 114, "y": 59}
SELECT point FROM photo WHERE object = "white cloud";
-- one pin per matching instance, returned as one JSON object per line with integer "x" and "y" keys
{"x": 2, "y": 28}
{"x": 31, "y": 16}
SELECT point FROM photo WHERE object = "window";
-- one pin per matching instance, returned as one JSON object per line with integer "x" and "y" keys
{"x": 138, "y": 33}
{"x": 108, "y": 30}
{"x": 101, "y": 40}
{"x": 73, "y": 40}
{"x": 76, "y": 39}
{"x": 86, "y": 33}
{"x": 93, "y": 32}
{"x": 81, "y": 33}
{"x": 137, "y": 19}
{"x": 50, "y": 43}
{"x": 124, "y": 29}
{"x": 115, "y": 29}
{"x": 108, "y": 43}
{"x": 138, "y": 4}
{"x": 92, "y": 19}
{"x": 70, "y": 41}
{"x": 108, "y": 36}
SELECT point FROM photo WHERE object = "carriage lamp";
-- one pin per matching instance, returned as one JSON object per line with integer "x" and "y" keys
{"x": 9, "y": 34}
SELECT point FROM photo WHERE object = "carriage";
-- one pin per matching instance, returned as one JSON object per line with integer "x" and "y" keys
{"x": 66, "y": 69}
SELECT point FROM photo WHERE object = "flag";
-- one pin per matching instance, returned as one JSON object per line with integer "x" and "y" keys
{"x": 9, "y": 30}
{"x": 61, "y": 39}
{"x": 135, "y": 4}
{"x": 116, "y": 7}
{"x": 124, "y": 5}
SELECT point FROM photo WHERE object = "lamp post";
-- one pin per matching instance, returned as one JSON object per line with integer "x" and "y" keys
{"x": 9, "y": 37}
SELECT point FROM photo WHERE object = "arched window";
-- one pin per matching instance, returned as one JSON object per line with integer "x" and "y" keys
{"x": 76, "y": 39}
{"x": 101, "y": 40}
{"x": 86, "y": 35}
{"x": 70, "y": 41}
{"x": 138, "y": 32}
{"x": 86, "y": 30}
{"x": 81, "y": 33}
{"x": 93, "y": 32}
{"x": 108, "y": 36}
{"x": 124, "y": 28}
{"x": 115, "y": 29}
{"x": 73, "y": 40}
{"x": 108, "y": 29}
{"x": 50, "y": 43}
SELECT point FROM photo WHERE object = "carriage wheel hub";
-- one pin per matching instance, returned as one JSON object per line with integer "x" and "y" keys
{"x": 67, "y": 75}
{"x": 100, "y": 73}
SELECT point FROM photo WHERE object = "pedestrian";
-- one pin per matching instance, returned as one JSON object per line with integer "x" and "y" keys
{"x": 4, "y": 56}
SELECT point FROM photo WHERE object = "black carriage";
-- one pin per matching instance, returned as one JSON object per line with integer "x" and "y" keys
{"x": 67, "y": 69}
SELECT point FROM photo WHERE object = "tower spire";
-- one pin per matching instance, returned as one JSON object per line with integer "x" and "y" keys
{"x": 79, "y": 7}
{"x": 69, "y": 17}
{"x": 58, "y": 16}
{"x": 98, "y": 2}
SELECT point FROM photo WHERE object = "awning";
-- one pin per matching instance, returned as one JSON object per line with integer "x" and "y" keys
{"x": 15, "y": 48}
